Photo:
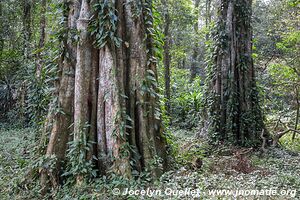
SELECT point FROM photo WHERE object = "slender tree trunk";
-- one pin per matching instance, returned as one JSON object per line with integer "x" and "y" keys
{"x": 167, "y": 56}
{"x": 235, "y": 114}
{"x": 27, "y": 9}
{"x": 42, "y": 37}
{"x": 43, "y": 23}
{"x": 208, "y": 16}
{"x": 207, "y": 13}
{"x": 1, "y": 30}
{"x": 195, "y": 52}
{"x": 297, "y": 113}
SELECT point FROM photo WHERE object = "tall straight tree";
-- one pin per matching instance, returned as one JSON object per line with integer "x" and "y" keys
{"x": 234, "y": 110}
{"x": 27, "y": 32}
{"x": 196, "y": 47}
{"x": 111, "y": 74}
{"x": 42, "y": 39}
{"x": 167, "y": 55}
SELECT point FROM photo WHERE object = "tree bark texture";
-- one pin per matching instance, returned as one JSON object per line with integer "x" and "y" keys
{"x": 115, "y": 104}
{"x": 235, "y": 114}
{"x": 62, "y": 117}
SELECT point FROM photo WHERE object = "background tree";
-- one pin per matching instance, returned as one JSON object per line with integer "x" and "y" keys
{"x": 234, "y": 114}
{"x": 167, "y": 55}
{"x": 276, "y": 39}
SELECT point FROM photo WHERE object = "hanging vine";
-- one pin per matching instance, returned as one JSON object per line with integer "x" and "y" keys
{"x": 104, "y": 24}
{"x": 234, "y": 111}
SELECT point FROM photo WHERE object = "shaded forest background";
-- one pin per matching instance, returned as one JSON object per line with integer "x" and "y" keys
{"x": 137, "y": 93}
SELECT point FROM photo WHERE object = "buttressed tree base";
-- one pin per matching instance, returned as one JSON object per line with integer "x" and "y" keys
{"x": 107, "y": 95}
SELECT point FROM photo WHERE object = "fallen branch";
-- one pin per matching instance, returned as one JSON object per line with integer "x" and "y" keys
{"x": 280, "y": 134}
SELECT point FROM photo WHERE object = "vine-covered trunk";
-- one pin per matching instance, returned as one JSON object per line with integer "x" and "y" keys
{"x": 235, "y": 113}
{"x": 60, "y": 118}
{"x": 115, "y": 97}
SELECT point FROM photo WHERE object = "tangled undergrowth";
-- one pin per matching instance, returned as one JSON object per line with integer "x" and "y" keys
{"x": 197, "y": 166}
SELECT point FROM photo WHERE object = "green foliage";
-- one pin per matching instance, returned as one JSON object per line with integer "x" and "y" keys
{"x": 154, "y": 33}
{"x": 9, "y": 62}
{"x": 42, "y": 77}
{"x": 104, "y": 26}
{"x": 15, "y": 156}
{"x": 183, "y": 17}
{"x": 40, "y": 92}
{"x": 287, "y": 142}
{"x": 278, "y": 169}
{"x": 186, "y": 99}
{"x": 11, "y": 58}
{"x": 6, "y": 96}
{"x": 289, "y": 42}
{"x": 279, "y": 78}
{"x": 192, "y": 152}
{"x": 229, "y": 118}
{"x": 77, "y": 163}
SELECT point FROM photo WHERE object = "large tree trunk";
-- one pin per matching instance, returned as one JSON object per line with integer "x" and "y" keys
{"x": 115, "y": 96}
{"x": 235, "y": 114}
{"x": 83, "y": 72}
{"x": 62, "y": 119}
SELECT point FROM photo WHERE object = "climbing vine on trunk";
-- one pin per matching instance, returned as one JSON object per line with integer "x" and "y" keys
{"x": 114, "y": 121}
{"x": 234, "y": 113}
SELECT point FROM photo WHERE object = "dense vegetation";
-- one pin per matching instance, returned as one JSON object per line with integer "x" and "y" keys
{"x": 99, "y": 95}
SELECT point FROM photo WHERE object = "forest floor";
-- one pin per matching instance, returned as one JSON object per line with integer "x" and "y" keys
{"x": 194, "y": 169}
